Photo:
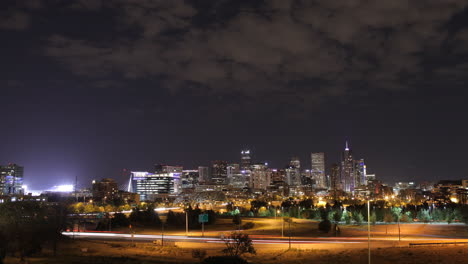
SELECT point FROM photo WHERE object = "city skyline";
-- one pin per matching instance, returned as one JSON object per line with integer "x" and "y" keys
{"x": 92, "y": 87}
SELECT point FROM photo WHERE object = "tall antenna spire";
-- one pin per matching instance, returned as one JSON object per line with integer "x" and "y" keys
{"x": 346, "y": 148}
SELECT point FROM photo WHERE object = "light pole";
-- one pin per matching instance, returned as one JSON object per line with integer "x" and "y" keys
{"x": 186, "y": 222}
{"x": 368, "y": 230}
{"x": 289, "y": 233}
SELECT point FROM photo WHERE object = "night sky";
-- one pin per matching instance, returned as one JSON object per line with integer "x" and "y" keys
{"x": 91, "y": 87}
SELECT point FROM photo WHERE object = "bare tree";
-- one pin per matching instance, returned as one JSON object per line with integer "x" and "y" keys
{"x": 238, "y": 244}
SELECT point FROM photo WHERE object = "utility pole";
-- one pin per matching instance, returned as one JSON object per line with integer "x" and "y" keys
{"x": 186, "y": 222}
{"x": 290, "y": 233}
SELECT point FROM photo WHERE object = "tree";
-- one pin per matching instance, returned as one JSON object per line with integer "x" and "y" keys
{"x": 397, "y": 212}
{"x": 325, "y": 226}
{"x": 238, "y": 244}
{"x": 358, "y": 218}
{"x": 26, "y": 226}
{"x": 424, "y": 216}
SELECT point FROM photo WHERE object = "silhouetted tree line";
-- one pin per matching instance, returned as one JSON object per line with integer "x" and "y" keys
{"x": 26, "y": 227}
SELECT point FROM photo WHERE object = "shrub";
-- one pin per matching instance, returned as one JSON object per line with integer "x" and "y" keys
{"x": 325, "y": 226}
{"x": 424, "y": 216}
{"x": 358, "y": 218}
{"x": 373, "y": 218}
{"x": 406, "y": 217}
{"x": 200, "y": 254}
{"x": 347, "y": 217}
{"x": 238, "y": 244}
{"x": 225, "y": 260}
{"x": 388, "y": 217}
{"x": 248, "y": 225}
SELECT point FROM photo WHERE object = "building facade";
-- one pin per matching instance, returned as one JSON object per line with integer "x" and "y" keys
{"x": 11, "y": 179}
{"x": 318, "y": 170}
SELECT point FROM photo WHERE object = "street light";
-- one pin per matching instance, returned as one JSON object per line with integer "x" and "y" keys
{"x": 368, "y": 230}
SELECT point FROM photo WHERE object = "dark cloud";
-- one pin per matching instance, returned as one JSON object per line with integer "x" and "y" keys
{"x": 324, "y": 49}
{"x": 16, "y": 20}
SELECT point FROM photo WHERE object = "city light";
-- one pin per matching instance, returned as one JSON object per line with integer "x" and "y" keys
{"x": 63, "y": 188}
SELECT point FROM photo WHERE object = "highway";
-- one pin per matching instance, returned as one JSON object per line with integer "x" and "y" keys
{"x": 343, "y": 241}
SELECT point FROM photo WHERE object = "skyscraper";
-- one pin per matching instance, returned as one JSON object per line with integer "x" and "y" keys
{"x": 204, "y": 175}
{"x": 359, "y": 173}
{"x": 11, "y": 179}
{"x": 233, "y": 170}
{"x": 293, "y": 172}
{"x": 318, "y": 169}
{"x": 246, "y": 160}
{"x": 219, "y": 172}
{"x": 347, "y": 170}
{"x": 334, "y": 179}
{"x": 260, "y": 176}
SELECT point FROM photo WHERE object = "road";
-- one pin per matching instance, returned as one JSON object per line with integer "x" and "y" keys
{"x": 348, "y": 242}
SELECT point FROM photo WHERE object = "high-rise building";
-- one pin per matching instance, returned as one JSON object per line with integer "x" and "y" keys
{"x": 105, "y": 190}
{"x": 278, "y": 175}
{"x": 295, "y": 162}
{"x": 359, "y": 173}
{"x": 189, "y": 179}
{"x": 159, "y": 168}
{"x": 347, "y": 169}
{"x": 293, "y": 172}
{"x": 246, "y": 160}
{"x": 11, "y": 179}
{"x": 204, "y": 175}
{"x": 219, "y": 172}
{"x": 233, "y": 171}
{"x": 334, "y": 178}
{"x": 151, "y": 185}
{"x": 260, "y": 177}
{"x": 173, "y": 170}
{"x": 318, "y": 170}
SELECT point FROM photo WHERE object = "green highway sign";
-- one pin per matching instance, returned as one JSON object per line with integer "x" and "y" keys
{"x": 203, "y": 218}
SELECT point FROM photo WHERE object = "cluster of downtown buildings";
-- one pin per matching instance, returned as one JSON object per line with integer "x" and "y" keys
{"x": 347, "y": 178}
{"x": 246, "y": 179}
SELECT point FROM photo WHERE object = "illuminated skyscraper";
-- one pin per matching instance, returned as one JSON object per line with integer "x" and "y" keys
{"x": 260, "y": 176}
{"x": 233, "y": 170}
{"x": 246, "y": 160}
{"x": 293, "y": 172}
{"x": 359, "y": 173}
{"x": 334, "y": 178}
{"x": 219, "y": 172}
{"x": 11, "y": 179}
{"x": 204, "y": 175}
{"x": 318, "y": 169}
{"x": 347, "y": 170}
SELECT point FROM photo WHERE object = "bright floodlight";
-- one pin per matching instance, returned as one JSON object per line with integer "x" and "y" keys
{"x": 63, "y": 188}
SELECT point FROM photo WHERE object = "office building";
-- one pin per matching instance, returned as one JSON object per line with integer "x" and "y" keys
{"x": 347, "y": 170}
{"x": 189, "y": 179}
{"x": 318, "y": 170}
{"x": 105, "y": 190}
{"x": 152, "y": 185}
{"x": 293, "y": 172}
{"x": 260, "y": 177}
{"x": 246, "y": 160}
{"x": 11, "y": 179}
{"x": 219, "y": 172}
{"x": 204, "y": 176}
{"x": 359, "y": 173}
